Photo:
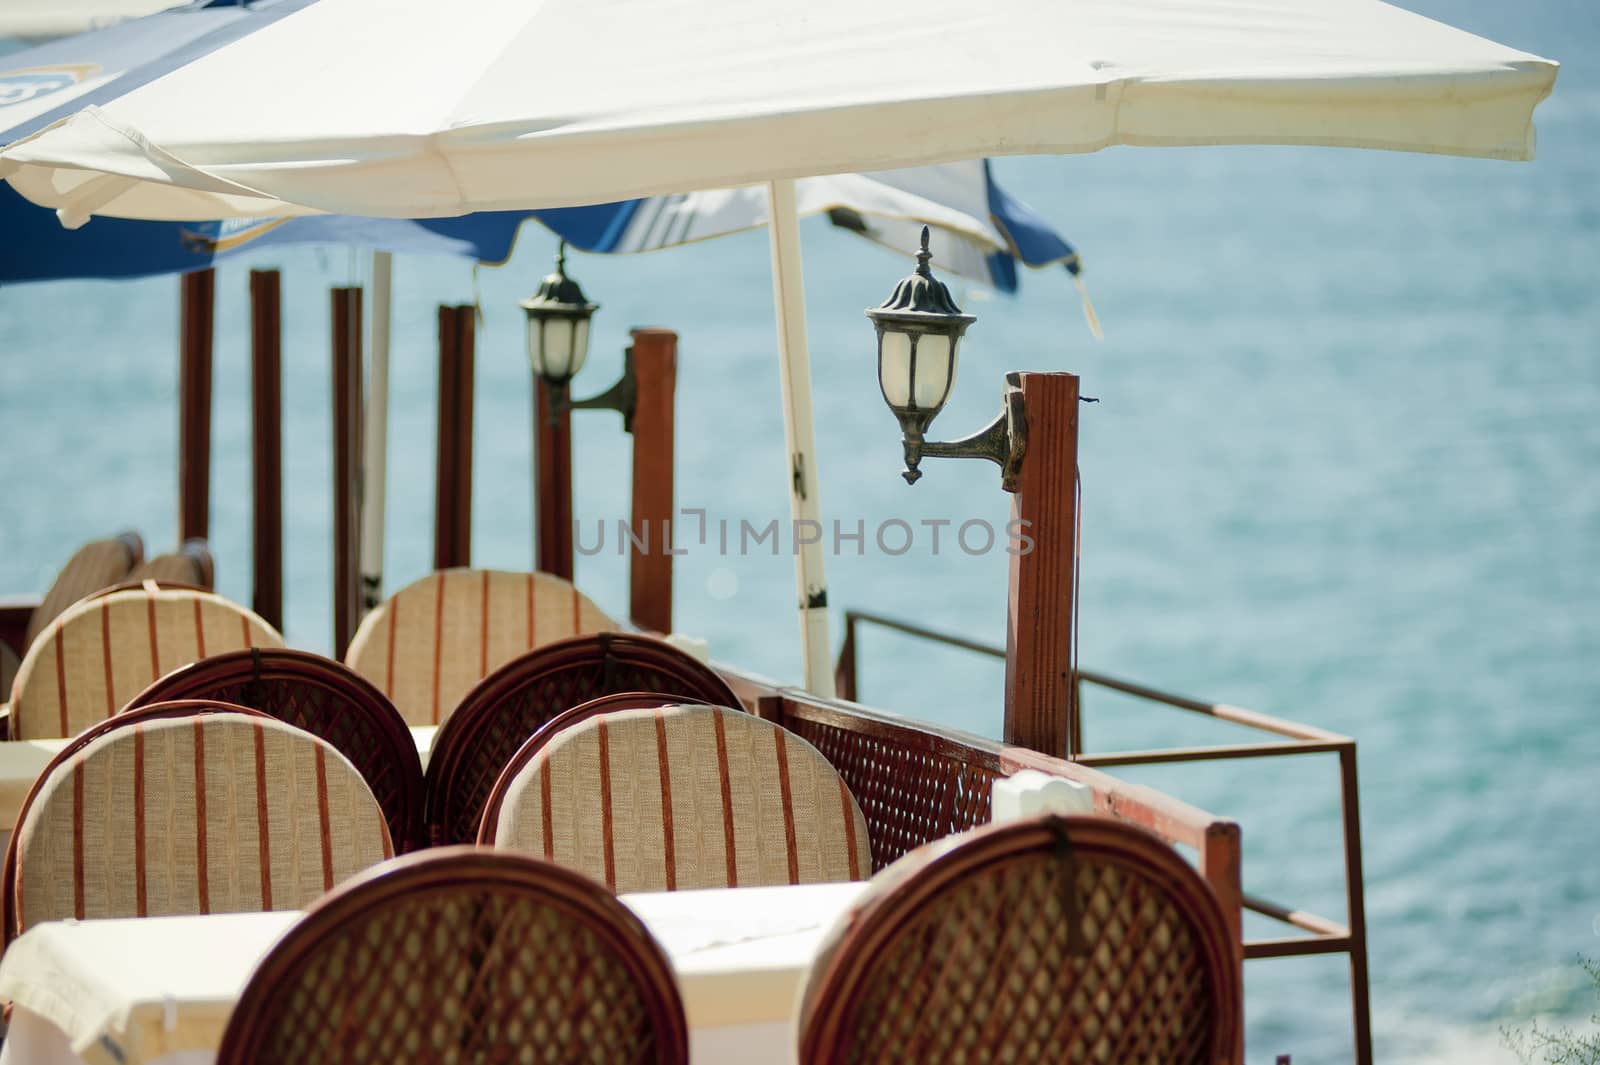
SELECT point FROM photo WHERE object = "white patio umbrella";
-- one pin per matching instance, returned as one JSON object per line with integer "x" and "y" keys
{"x": 404, "y": 108}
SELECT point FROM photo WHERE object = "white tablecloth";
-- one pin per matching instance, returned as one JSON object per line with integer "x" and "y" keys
{"x": 158, "y": 990}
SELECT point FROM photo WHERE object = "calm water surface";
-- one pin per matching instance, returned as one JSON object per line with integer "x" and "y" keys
{"x": 1343, "y": 470}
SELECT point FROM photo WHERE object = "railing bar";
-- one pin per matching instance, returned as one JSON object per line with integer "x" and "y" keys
{"x": 1206, "y": 754}
{"x": 927, "y": 634}
{"x": 1296, "y": 947}
{"x": 1223, "y": 712}
{"x": 1311, "y": 922}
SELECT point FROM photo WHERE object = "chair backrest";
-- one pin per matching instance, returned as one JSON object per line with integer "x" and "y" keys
{"x": 326, "y": 699}
{"x": 217, "y": 812}
{"x": 462, "y": 954}
{"x": 679, "y": 797}
{"x": 103, "y": 651}
{"x": 92, "y": 567}
{"x": 1051, "y": 940}
{"x": 481, "y": 737}
{"x": 191, "y": 565}
{"x": 429, "y": 643}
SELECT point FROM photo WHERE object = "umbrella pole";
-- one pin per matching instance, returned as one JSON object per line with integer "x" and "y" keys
{"x": 794, "y": 360}
{"x": 375, "y": 426}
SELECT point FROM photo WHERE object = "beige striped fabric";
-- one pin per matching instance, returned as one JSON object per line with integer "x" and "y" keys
{"x": 104, "y": 651}
{"x": 216, "y": 813}
{"x": 685, "y": 797}
{"x": 173, "y": 568}
{"x": 434, "y": 639}
{"x": 95, "y": 566}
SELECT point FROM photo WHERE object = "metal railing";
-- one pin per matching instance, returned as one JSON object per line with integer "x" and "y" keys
{"x": 1323, "y": 935}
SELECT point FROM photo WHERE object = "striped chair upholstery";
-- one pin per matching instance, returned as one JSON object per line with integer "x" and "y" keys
{"x": 94, "y": 566}
{"x": 201, "y": 813}
{"x": 681, "y": 797}
{"x": 103, "y": 651}
{"x": 191, "y": 564}
{"x": 1108, "y": 945}
{"x": 434, "y": 639}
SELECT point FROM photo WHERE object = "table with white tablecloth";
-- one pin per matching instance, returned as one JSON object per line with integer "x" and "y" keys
{"x": 158, "y": 990}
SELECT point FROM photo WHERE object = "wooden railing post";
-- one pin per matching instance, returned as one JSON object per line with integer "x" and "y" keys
{"x": 266, "y": 447}
{"x": 1040, "y": 707}
{"x": 655, "y": 369}
{"x": 346, "y": 465}
{"x": 194, "y": 405}
{"x": 452, "y": 529}
{"x": 552, "y": 485}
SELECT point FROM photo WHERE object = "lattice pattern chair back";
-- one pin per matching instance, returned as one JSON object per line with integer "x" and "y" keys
{"x": 511, "y": 704}
{"x": 326, "y": 699}
{"x": 913, "y": 786}
{"x": 679, "y": 797}
{"x": 1052, "y": 940}
{"x": 92, "y": 567}
{"x": 462, "y": 955}
{"x": 199, "y": 813}
{"x": 103, "y": 651}
{"x": 434, "y": 639}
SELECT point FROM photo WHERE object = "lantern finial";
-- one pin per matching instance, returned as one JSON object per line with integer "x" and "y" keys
{"x": 924, "y": 256}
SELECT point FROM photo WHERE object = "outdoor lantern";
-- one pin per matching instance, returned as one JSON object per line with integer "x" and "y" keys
{"x": 558, "y": 327}
{"x": 919, "y": 332}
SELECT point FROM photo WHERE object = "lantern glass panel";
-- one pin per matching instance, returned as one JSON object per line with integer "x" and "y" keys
{"x": 557, "y": 349}
{"x": 894, "y": 367}
{"x": 935, "y": 371}
{"x": 580, "y": 345}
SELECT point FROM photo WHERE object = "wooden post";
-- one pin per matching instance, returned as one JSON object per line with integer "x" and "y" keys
{"x": 194, "y": 405}
{"x": 266, "y": 446}
{"x": 552, "y": 485}
{"x": 346, "y": 465}
{"x": 1040, "y": 709}
{"x": 452, "y": 529}
{"x": 655, "y": 368}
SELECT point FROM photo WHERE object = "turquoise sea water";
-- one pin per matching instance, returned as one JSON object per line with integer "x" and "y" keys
{"x": 1343, "y": 470}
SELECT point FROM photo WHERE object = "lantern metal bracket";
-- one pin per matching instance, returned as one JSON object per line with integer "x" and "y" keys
{"x": 622, "y": 397}
{"x": 1003, "y": 441}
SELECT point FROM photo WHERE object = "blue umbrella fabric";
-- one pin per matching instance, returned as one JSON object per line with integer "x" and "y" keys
{"x": 983, "y": 231}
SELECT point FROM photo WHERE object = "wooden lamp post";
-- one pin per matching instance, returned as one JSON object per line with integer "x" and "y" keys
{"x": 558, "y": 339}
{"x": 1034, "y": 440}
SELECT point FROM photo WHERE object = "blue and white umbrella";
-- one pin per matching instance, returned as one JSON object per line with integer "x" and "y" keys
{"x": 980, "y": 231}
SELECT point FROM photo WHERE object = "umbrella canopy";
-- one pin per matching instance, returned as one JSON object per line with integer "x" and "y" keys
{"x": 406, "y": 108}
{"x": 980, "y": 229}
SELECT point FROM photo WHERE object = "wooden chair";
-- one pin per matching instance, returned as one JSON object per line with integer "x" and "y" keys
{"x": 668, "y": 797}
{"x": 462, "y": 954}
{"x": 93, "y": 566}
{"x": 104, "y": 650}
{"x": 429, "y": 643}
{"x": 511, "y": 704}
{"x": 326, "y": 699}
{"x": 1054, "y": 940}
{"x": 190, "y": 566}
{"x": 183, "y": 808}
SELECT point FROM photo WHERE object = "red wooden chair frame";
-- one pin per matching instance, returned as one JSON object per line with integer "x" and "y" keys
{"x": 362, "y": 724}
{"x": 515, "y": 701}
{"x": 466, "y": 871}
{"x": 833, "y": 994}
